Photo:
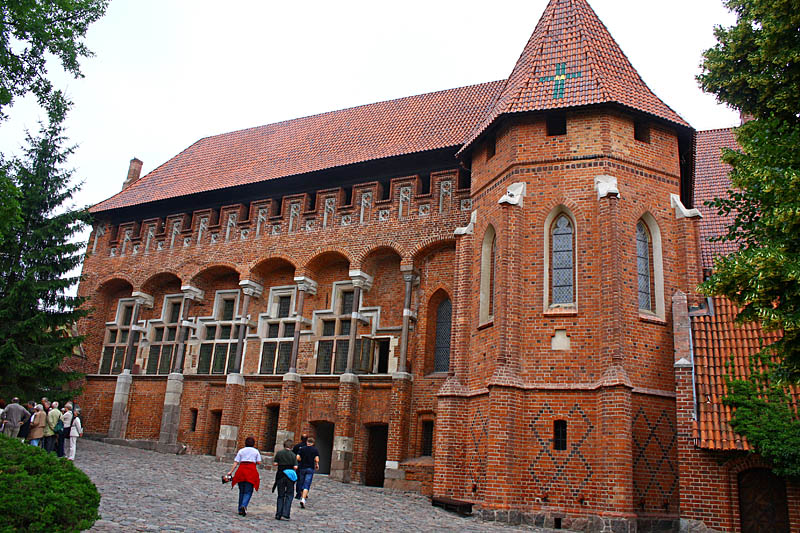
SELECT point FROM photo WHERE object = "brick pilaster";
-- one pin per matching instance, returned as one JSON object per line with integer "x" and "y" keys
{"x": 399, "y": 422}
{"x": 344, "y": 431}
{"x": 448, "y": 458}
{"x": 290, "y": 409}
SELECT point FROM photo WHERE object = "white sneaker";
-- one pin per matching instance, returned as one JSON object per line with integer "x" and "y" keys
{"x": 302, "y": 503}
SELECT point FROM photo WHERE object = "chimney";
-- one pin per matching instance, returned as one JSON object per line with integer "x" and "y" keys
{"x": 134, "y": 171}
{"x": 745, "y": 117}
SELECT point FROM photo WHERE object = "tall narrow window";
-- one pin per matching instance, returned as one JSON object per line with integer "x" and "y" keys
{"x": 165, "y": 331}
{"x": 441, "y": 358}
{"x": 643, "y": 266}
{"x": 276, "y": 348}
{"x": 427, "y": 438}
{"x": 218, "y": 350}
{"x": 559, "y": 434}
{"x": 116, "y": 340}
{"x": 562, "y": 261}
{"x": 335, "y": 339}
{"x": 488, "y": 271}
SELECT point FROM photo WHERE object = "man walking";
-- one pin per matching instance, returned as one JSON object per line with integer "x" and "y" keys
{"x": 286, "y": 461}
{"x": 14, "y": 415}
{"x": 296, "y": 450}
{"x": 51, "y": 428}
{"x": 309, "y": 463}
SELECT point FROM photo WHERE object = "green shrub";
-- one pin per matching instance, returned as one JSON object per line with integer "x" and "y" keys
{"x": 40, "y": 492}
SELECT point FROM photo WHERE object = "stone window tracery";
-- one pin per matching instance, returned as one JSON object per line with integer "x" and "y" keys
{"x": 164, "y": 334}
{"x": 562, "y": 261}
{"x": 441, "y": 354}
{"x": 649, "y": 267}
{"x": 218, "y": 348}
{"x": 116, "y": 338}
{"x": 335, "y": 336}
{"x": 278, "y": 331}
{"x": 643, "y": 266}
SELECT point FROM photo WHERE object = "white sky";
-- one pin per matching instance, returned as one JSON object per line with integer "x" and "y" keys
{"x": 167, "y": 73}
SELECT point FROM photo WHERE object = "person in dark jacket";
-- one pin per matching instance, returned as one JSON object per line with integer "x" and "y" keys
{"x": 285, "y": 461}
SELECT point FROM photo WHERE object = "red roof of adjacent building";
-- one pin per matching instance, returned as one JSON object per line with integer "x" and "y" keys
{"x": 572, "y": 60}
{"x": 711, "y": 181}
{"x": 722, "y": 348}
{"x": 355, "y": 135}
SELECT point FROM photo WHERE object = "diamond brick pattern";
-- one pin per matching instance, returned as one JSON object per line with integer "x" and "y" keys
{"x": 655, "y": 466}
{"x": 548, "y": 469}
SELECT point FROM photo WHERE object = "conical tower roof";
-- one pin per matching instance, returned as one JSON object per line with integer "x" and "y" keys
{"x": 572, "y": 60}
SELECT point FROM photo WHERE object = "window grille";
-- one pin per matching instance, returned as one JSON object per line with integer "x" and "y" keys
{"x": 643, "y": 266}
{"x": 562, "y": 262}
{"x": 444, "y": 314}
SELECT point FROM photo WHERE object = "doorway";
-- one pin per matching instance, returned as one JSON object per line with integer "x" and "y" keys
{"x": 377, "y": 439}
{"x": 323, "y": 433}
{"x": 271, "y": 435}
{"x": 762, "y": 502}
{"x": 214, "y": 421}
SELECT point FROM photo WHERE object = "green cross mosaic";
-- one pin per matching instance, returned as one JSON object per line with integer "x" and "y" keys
{"x": 560, "y": 79}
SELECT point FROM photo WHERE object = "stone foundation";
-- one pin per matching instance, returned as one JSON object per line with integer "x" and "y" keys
{"x": 591, "y": 523}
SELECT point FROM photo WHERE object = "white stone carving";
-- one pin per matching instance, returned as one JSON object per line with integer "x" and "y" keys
{"x": 99, "y": 232}
{"x": 176, "y": 228}
{"x": 160, "y": 245}
{"x": 125, "y": 240}
{"x": 405, "y": 200}
{"x": 187, "y": 241}
{"x": 202, "y": 229}
{"x": 276, "y": 229}
{"x": 424, "y": 210}
{"x": 383, "y": 215}
{"x": 113, "y": 252}
{"x": 294, "y": 215}
{"x": 469, "y": 229}
{"x": 361, "y": 279}
{"x": 330, "y": 208}
{"x": 605, "y": 186}
{"x": 514, "y": 194}
{"x": 346, "y": 220}
{"x": 214, "y": 238}
{"x": 466, "y": 204}
{"x": 445, "y": 195}
{"x": 366, "y": 206}
{"x": 680, "y": 209}
{"x": 244, "y": 234}
{"x": 135, "y": 249}
{"x": 310, "y": 224}
{"x": 251, "y": 288}
{"x": 306, "y": 284}
{"x": 261, "y": 220}
{"x": 230, "y": 229}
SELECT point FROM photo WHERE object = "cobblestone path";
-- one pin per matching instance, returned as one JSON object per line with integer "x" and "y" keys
{"x": 148, "y": 491}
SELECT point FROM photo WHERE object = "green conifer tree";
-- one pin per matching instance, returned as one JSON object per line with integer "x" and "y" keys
{"x": 36, "y": 313}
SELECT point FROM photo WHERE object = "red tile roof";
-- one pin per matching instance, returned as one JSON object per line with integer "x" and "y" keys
{"x": 711, "y": 181}
{"x": 715, "y": 339}
{"x": 384, "y": 129}
{"x": 572, "y": 60}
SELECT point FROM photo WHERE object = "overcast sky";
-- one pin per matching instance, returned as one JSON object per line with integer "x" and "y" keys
{"x": 167, "y": 73}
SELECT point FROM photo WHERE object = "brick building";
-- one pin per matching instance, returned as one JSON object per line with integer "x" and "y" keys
{"x": 484, "y": 293}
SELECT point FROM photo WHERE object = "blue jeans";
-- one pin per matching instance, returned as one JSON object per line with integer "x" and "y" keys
{"x": 245, "y": 493}
{"x": 308, "y": 476}
{"x": 34, "y": 442}
{"x": 285, "y": 486}
{"x": 299, "y": 484}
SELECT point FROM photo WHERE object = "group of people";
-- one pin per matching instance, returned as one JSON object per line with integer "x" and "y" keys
{"x": 295, "y": 468}
{"x": 44, "y": 425}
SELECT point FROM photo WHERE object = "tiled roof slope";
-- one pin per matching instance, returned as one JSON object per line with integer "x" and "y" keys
{"x": 572, "y": 60}
{"x": 385, "y": 129}
{"x": 711, "y": 181}
{"x": 715, "y": 339}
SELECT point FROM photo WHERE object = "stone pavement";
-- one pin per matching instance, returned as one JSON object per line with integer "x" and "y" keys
{"x": 148, "y": 491}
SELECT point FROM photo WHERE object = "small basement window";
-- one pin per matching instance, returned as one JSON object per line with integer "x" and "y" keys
{"x": 556, "y": 124}
{"x": 559, "y": 434}
{"x": 641, "y": 131}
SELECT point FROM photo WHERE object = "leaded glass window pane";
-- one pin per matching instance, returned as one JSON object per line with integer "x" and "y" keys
{"x": 272, "y": 330}
{"x": 268, "y": 357}
{"x": 227, "y": 309}
{"x": 220, "y": 353}
{"x": 152, "y": 359}
{"x": 328, "y": 328}
{"x": 284, "y": 303}
{"x": 158, "y": 334}
{"x": 174, "y": 312}
{"x": 347, "y": 302}
{"x": 643, "y": 266}
{"x": 204, "y": 362}
{"x": 284, "y": 357}
{"x": 324, "y": 354}
{"x": 231, "y": 356}
{"x": 165, "y": 364}
{"x": 127, "y": 314}
{"x": 340, "y": 364}
{"x": 171, "y": 333}
{"x": 119, "y": 359}
{"x": 211, "y": 332}
{"x": 123, "y": 336}
{"x": 288, "y": 329}
{"x": 364, "y": 348}
{"x": 105, "y": 363}
{"x": 561, "y": 261}
{"x": 441, "y": 359}
{"x": 225, "y": 332}
{"x": 344, "y": 327}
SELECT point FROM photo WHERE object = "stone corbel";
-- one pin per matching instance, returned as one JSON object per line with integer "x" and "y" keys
{"x": 140, "y": 329}
{"x": 192, "y": 293}
{"x": 251, "y": 288}
{"x": 306, "y": 284}
{"x": 410, "y": 314}
{"x": 606, "y": 186}
{"x": 514, "y": 194}
{"x": 469, "y": 229}
{"x": 143, "y": 299}
{"x": 361, "y": 279}
{"x": 188, "y": 324}
{"x": 680, "y": 209}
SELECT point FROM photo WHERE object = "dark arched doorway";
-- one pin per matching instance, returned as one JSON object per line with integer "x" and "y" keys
{"x": 762, "y": 502}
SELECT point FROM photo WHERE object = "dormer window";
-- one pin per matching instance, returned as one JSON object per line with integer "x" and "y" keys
{"x": 556, "y": 124}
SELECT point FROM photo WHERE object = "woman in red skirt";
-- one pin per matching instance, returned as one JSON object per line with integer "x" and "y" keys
{"x": 245, "y": 466}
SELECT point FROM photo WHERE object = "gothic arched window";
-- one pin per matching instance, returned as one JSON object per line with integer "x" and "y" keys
{"x": 562, "y": 261}
{"x": 441, "y": 353}
{"x": 643, "y": 265}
